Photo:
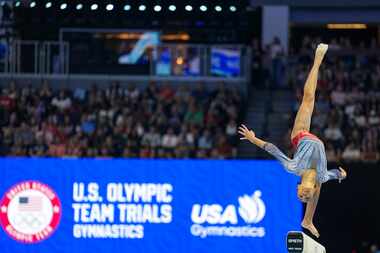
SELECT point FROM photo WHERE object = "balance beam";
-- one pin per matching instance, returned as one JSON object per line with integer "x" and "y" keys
{"x": 298, "y": 242}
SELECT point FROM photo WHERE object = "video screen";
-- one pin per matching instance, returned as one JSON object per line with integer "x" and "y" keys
{"x": 225, "y": 62}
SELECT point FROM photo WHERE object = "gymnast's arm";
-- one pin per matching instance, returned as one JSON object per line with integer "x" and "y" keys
{"x": 269, "y": 147}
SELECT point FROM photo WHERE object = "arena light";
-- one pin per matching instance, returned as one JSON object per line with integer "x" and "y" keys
{"x": 346, "y": 26}
{"x": 63, "y": 6}
{"x": 188, "y": 7}
{"x": 179, "y": 60}
{"x": 17, "y": 4}
{"x": 233, "y": 8}
{"x": 142, "y": 7}
{"x": 2, "y": 3}
{"x": 48, "y": 5}
{"x": 79, "y": 7}
{"x": 94, "y": 7}
{"x": 109, "y": 7}
{"x": 32, "y": 4}
{"x": 203, "y": 8}
{"x": 127, "y": 7}
{"x": 218, "y": 8}
{"x": 157, "y": 8}
{"x": 172, "y": 7}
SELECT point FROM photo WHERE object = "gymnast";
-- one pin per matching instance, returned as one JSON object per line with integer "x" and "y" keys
{"x": 309, "y": 161}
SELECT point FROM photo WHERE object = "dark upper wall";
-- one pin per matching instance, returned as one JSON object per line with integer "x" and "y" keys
{"x": 324, "y": 3}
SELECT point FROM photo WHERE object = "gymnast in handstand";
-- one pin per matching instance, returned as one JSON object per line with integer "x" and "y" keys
{"x": 309, "y": 161}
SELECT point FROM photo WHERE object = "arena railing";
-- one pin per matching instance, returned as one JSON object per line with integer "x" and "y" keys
{"x": 54, "y": 60}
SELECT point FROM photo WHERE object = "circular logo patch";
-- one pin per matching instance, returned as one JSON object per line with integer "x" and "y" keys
{"x": 30, "y": 212}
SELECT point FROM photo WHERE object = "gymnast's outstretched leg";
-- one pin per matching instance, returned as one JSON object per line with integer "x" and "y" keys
{"x": 303, "y": 118}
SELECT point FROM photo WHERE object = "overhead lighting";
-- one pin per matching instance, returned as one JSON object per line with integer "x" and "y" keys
{"x": 48, "y": 5}
{"x": 63, "y": 6}
{"x": 17, "y": 4}
{"x": 172, "y": 7}
{"x": 142, "y": 7}
{"x": 94, "y": 7}
{"x": 32, "y": 4}
{"x": 109, "y": 7}
{"x": 79, "y": 7}
{"x": 157, "y": 8}
{"x": 346, "y": 26}
{"x": 233, "y": 8}
{"x": 127, "y": 7}
{"x": 2, "y": 3}
{"x": 188, "y": 7}
{"x": 218, "y": 8}
{"x": 203, "y": 8}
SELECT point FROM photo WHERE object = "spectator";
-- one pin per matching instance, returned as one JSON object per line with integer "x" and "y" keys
{"x": 338, "y": 97}
{"x": 169, "y": 140}
{"x": 194, "y": 115}
{"x": 276, "y": 52}
{"x": 62, "y": 101}
{"x": 205, "y": 141}
{"x": 351, "y": 152}
{"x": 334, "y": 134}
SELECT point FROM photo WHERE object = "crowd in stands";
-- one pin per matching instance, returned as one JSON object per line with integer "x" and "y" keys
{"x": 347, "y": 107}
{"x": 153, "y": 122}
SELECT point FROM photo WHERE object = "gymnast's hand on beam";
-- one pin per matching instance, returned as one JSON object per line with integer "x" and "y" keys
{"x": 343, "y": 174}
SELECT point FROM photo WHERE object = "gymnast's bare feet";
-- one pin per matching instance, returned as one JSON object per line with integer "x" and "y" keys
{"x": 310, "y": 226}
{"x": 320, "y": 53}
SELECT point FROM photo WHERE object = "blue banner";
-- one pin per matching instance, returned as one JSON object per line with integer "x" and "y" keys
{"x": 88, "y": 205}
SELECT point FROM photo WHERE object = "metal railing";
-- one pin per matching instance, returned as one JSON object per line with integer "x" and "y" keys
{"x": 36, "y": 58}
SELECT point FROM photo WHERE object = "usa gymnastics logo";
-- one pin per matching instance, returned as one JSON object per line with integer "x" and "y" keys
{"x": 219, "y": 220}
{"x": 30, "y": 212}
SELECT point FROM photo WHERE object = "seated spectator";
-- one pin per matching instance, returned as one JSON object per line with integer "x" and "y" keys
{"x": 170, "y": 139}
{"x": 338, "y": 96}
{"x": 231, "y": 132}
{"x": 205, "y": 141}
{"x": 224, "y": 149}
{"x": 62, "y": 101}
{"x": 194, "y": 115}
{"x": 374, "y": 119}
{"x": 334, "y": 134}
{"x": 351, "y": 152}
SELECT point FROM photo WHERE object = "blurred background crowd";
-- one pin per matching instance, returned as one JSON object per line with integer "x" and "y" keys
{"x": 153, "y": 122}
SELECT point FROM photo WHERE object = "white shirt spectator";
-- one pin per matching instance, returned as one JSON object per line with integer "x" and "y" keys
{"x": 349, "y": 110}
{"x": 373, "y": 119}
{"x": 132, "y": 93}
{"x": 333, "y": 133}
{"x": 338, "y": 97}
{"x": 61, "y": 103}
{"x": 351, "y": 153}
{"x": 361, "y": 120}
{"x": 231, "y": 128}
{"x": 190, "y": 139}
{"x": 169, "y": 140}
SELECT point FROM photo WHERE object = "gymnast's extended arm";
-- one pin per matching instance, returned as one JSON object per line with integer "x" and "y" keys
{"x": 249, "y": 135}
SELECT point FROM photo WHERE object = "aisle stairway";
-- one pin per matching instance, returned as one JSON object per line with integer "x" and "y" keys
{"x": 268, "y": 115}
